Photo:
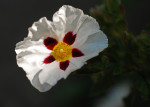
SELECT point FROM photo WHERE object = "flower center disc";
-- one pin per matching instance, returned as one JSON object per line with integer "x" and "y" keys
{"x": 62, "y": 51}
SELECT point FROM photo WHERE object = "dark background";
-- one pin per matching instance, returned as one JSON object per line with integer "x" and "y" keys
{"x": 15, "y": 18}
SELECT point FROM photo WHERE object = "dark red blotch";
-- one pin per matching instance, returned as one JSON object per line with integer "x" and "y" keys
{"x": 49, "y": 59}
{"x": 76, "y": 53}
{"x": 50, "y": 42}
{"x": 64, "y": 65}
{"x": 69, "y": 38}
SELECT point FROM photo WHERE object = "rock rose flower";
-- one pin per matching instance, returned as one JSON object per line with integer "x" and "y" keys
{"x": 54, "y": 49}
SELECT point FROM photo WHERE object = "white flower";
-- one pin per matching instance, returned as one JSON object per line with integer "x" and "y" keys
{"x": 54, "y": 49}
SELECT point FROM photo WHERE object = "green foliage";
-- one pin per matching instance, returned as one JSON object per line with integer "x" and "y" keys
{"x": 127, "y": 57}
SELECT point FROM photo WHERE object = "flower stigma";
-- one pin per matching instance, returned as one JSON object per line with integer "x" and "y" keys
{"x": 62, "y": 51}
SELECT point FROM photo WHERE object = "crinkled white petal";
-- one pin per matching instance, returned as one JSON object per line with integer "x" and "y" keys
{"x": 42, "y": 29}
{"x": 66, "y": 19}
{"x": 73, "y": 19}
{"x": 30, "y": 56}
{"x": 93, "y": 46}
{"x": 33, "y": 46}
{"x": 44, "y": 76}
{"x": 88, "y": 27}
{"x": 51, "y": 73}
{"x": 36, "y": 82}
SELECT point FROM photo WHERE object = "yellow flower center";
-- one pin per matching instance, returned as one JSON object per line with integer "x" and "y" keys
{"x": 62, "y": 51}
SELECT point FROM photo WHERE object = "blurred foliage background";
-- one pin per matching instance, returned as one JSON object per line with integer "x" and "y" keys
{"x": 126, "y": 59}
{"x": 125, "y": 22}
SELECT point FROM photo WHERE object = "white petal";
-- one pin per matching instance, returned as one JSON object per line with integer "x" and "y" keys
{"x": 67, "y": 19}
{"x": 74, "y": 65}
{"x": 94, "y": 44}
{"x": 33, "y": 46}
{"x": 73, "y": 19}
{"x": 51, "y": 73}
{"x": 87, "y": 27}
{"x": 42, "y": 29}
{"x": 36, "y": 83}
{"x": 30, "y": 56}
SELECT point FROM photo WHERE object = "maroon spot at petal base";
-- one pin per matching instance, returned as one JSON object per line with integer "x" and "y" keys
{"x": 50, "y": 42}
{"x": 49, "y": 59}
{"x": 69, "y": 38}
{"x": 64, "y": 65}
{"x": 76, "y": 53}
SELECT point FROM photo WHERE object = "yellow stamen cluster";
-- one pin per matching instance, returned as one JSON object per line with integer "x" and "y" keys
{"x": 62, "y": 51}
